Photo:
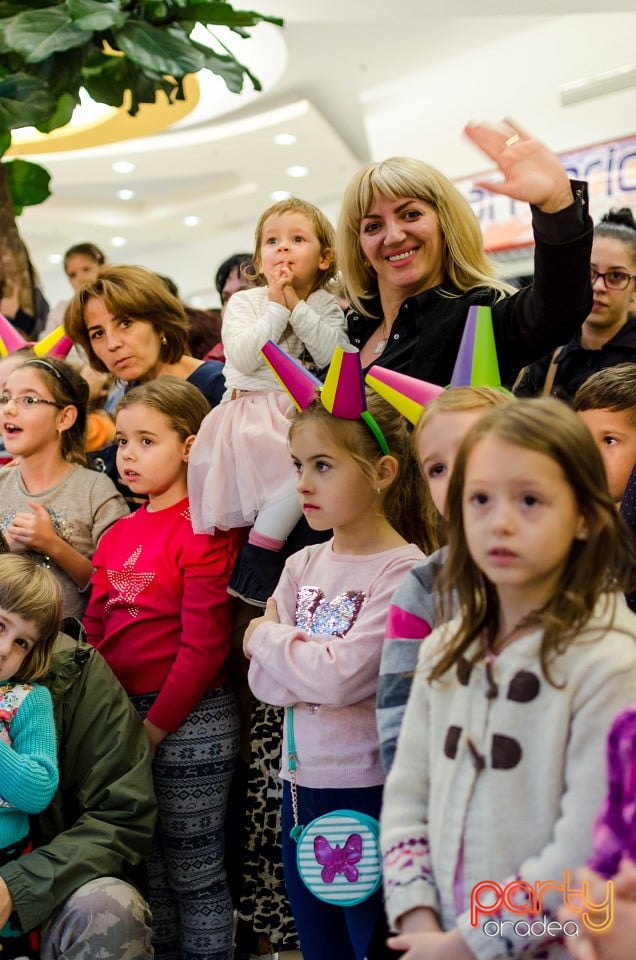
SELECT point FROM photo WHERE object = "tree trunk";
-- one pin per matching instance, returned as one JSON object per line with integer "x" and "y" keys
{"x": 14, "y": 260}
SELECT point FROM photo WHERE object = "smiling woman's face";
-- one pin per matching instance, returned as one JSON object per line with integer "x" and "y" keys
{"x": 129, "y": 348}
{"x": 403, "y": 243}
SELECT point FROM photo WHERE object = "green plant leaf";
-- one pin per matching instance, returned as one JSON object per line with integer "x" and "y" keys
{"x": 163, "y": 49}
{"x": 5, "y": 142}
{"x": 61, "y": 115}
{"x": 38, "y": 34}
{"x": 25, "y": 101}
{"x": 28, "y": 184}
{"x": 10, "y": 8}
{"x": 96, "y": 14}
{"x": 220, "y": 13}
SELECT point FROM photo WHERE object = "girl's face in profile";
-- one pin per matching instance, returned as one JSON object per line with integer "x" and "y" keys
{"x": 521, "y": 518}
{"x": 436, "y": 446}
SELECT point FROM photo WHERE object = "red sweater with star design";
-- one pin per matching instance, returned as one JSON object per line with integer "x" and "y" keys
{"x": 159, "y": 611}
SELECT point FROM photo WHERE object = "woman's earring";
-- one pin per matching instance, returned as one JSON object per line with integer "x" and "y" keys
{"x": 164, "y": 342}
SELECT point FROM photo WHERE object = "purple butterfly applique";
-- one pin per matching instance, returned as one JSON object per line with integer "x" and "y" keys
{"x": 334, "y": 860}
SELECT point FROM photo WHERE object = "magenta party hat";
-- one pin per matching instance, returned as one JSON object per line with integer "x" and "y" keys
{"x": 55, "y": 344}
{"x": 301, "y": 385}
{"x": 476, "y": 364}
{"x": 342, "y": 394}
{"x": 10, "y": 339}
{"x": 408, "y": 395}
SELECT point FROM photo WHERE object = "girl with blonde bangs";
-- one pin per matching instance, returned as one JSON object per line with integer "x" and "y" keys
{"x": 412, "y": 257}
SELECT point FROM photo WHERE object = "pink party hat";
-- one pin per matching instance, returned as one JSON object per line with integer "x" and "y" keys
{"x": 10, "y": 339}
{"x": 476, "y": 364}
{"x": 408, "y": 395}
{"x": 343, "y": 392}
{"x": 55, "y": 344}
{"x": 301, "y": 385}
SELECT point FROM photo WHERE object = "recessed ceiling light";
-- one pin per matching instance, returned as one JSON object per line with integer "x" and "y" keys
{"x": 277, "y": 195}
{"x": 191, "y": 221}
{"x": 285, "y": 139}
{"x": 118, "y": 241}
{"x": 55, "y": 258}
{"x": 123, "y": 166}
{"x": 126, "y": 194}
{"x": 297, "y": 171}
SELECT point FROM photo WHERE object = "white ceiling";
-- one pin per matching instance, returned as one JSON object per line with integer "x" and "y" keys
{"x": 363, "y": 79}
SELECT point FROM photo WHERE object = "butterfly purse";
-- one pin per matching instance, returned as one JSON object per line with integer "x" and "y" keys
{"x": 338, "y": 854}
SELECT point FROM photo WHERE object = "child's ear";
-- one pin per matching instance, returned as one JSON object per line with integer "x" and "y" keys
{"x": 387, "y": 471}
{"x": 326, "y": 259}
{"x": 187, "y": 446}
{"x": 66, "y": 418}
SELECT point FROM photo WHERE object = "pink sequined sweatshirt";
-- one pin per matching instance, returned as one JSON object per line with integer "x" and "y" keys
{"x": 324, "y": 658}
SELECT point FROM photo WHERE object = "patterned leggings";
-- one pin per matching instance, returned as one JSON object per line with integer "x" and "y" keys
{"x": 188, "y": 893}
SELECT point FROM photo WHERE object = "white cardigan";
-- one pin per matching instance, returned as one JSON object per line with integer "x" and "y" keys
{"x": 528, "y": 812}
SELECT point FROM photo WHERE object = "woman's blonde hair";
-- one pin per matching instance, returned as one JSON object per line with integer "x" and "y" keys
{"x": 69, "y": 389}
{"x": 325, "y": 234}
{"x": 33, "y": 593}
{"x": 129, "y": 291}
{"x": 402, "y": 503}
{"x": 600, "y": 562}
{"x": 453, "y": 400}
{"x": 464, "y": 262}
{"x": 182, "y": 404}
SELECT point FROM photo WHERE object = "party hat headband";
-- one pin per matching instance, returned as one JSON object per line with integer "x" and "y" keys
{"x": 342, "y": 394}
{"x": 56, "y": 344}
{"x": 476, "y": 366}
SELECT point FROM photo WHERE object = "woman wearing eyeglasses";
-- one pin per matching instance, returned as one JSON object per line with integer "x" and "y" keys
{"x": 53, "y": 508}
{"x": 608, "y": 335}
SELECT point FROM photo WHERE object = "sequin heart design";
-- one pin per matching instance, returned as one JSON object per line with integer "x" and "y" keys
{"x": 333, "y": 618}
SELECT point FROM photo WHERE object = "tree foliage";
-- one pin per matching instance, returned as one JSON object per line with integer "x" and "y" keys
{"x": 111, "y": 48}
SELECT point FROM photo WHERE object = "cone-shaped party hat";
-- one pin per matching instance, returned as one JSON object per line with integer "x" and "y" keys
{"x": 55, "y": 344}
{"x": 10, "y": 339}
{"x": 301, "y": 385}
{"x": 476, "y": 364}
{"x": 342, "y": 394}
{"x": 408, "y": 395}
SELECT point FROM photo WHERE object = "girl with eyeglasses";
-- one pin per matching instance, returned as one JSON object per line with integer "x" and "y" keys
{"x": 608, "y": 335}
{"x": 54, "y": 509}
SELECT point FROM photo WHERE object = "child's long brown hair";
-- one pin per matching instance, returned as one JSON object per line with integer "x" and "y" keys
{"x": 602, "y": 562}
{"x": 402, "y": 503}
{"x": 32, "y": 592}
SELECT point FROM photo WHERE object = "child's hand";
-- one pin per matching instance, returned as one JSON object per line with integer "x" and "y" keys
{"x": 10, "y": 303}
{"x": 280, "y": 289}
{"x": 431, "y": 946}
{"x": 155, "y": 735}
{"x": 270, "y": 614}
{"x": 31, "y": 531}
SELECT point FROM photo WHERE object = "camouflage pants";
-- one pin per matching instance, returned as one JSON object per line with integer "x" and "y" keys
{"x": 105, "y": 918}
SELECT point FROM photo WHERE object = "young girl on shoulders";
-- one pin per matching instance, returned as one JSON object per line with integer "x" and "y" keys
{"x": 514, "y": 697}
{"x": 239, "y": 468}
{"x": 160, "y": 615}
{"x": 53, "y": 507}
{"x": 29, "y": 621}
{"x": 438, "y": 434}
{"x": 317, "y": 647}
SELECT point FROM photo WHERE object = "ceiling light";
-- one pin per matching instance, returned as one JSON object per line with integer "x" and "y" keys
{"x": 285, "y": 139}
{"x": 277, "y": 195}
{"x": 55, "y": 258}
{"x": 191, "y": 221}
{"x": 123, "y": 166}
{"x": 126, "y": 194}
{"x": 118, "y": 241}
{"x": 297, "y": 171}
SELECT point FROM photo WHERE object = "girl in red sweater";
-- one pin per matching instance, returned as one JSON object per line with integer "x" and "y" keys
{"x": 160, "y": 615}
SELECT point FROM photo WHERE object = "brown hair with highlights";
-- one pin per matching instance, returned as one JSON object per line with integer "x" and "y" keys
{"x": 33, "y": 593}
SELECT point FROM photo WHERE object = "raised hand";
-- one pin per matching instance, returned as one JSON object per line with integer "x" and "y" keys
{"x": 532, "y": 173}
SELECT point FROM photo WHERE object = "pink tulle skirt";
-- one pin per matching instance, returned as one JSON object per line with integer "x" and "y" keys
{"x": 240, "y": 461}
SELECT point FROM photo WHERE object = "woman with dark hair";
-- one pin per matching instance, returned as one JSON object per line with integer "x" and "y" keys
{"x": 132, "y": 326}
{"x": 608, "y": 334}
